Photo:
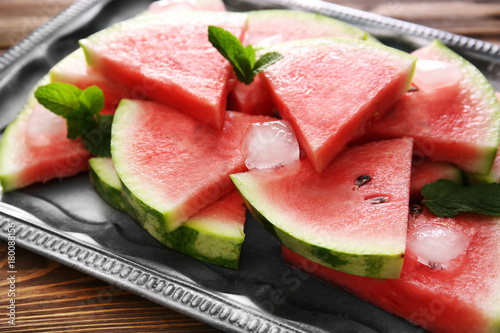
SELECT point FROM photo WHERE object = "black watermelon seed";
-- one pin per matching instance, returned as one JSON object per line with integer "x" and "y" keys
{"x": 362, "y": 180}
{"x": 415, "y": 210}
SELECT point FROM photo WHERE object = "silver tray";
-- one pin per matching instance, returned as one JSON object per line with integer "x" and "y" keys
{"x": 264, "y": 295}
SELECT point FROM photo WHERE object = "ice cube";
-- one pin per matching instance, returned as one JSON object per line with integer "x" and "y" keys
{"x": 270, "y": 145}
{"x": 43, "y": 126}
{"x": 435, "y": 74}
{"x": 437, "y": 245}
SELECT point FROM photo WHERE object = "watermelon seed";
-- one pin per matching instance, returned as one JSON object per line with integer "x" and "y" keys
{"x": 435, "y": 265}
{"x": 413, "y": 88}
{"x": 415, "y": 210}
{"x": 362, "y": 180}
{"x": 378, "y": 200}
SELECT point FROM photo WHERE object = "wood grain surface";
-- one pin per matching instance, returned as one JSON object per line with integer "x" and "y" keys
{"x": 50, "y": 297}
{"x": 54, "y": 298}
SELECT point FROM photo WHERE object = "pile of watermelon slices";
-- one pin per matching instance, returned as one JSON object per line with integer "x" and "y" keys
{"x": 374, "y": 124}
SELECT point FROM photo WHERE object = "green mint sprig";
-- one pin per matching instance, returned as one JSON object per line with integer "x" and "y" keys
{"x": 445, "y": 198}
{"x": 245, "y": 66}
{"x": 81, "y": 110}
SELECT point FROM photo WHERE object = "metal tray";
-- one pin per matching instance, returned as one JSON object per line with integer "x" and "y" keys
{"x": 264, "y": 295}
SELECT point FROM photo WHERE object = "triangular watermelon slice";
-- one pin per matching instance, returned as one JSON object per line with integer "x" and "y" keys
{"x": 352, "y": 217}
{"x": 464, "y": 297}
{"x": 168, "y": 58}
{"x": 34, "y": 148}
{"x": 215, "y": 234}
{"x": 458, "y": 123}
{"x": 329, "y": 88}
{"x": 172, "y": 165}
{"x": 274, "y": 26}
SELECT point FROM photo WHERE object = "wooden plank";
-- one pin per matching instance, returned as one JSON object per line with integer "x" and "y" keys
{"x": 50, "y": 297}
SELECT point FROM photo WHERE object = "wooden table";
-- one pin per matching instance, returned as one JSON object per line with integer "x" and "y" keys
{"x": 54, "y": 298}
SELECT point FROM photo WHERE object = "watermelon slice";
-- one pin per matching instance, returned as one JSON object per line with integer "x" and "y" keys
{"x": 329, "y": 88}
{"x": 34, "y": 148}
{"x": 461, "y": 298}
{"x": 268, "y": 27}
{"x": 182, "y": 5}
{"x": 427, "y": 172}
{"x": 172, "y": 165}
{"x": 73, "y": 69}
{"x": 169, "y": 58}
{"x": 215, "y": 234}
{"x": 352, "y": 217}
{"x": 459, "y": 123}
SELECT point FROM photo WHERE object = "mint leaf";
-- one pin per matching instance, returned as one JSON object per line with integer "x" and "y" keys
{"x": 93, "y": 99}
{"x": 97, "y": 139}
{"x": 445, "y": 198}
{"x": 60, "y": 98}
{"x": 81, "y": 110}
{"x": 266, "y": 60}
{"x": 241, "y": 58}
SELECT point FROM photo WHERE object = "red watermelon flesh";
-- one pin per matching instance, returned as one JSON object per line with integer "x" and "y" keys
{"x": 427, "y": 172}
{"x": 268, "y": 27}
{"x": 251, "y": 98}
{"x": 329, "y": 88}
{"x": 172, "y": 165}
{"x": 461, "y": 298}
{"x": 169, "y": 57}
{"x": 27, "y": 157}
{"x": 74, "y": 70}
{"x": 459, "y": 124}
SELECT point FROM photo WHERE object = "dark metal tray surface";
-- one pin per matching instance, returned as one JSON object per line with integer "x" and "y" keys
{"x": 66, "y": 221}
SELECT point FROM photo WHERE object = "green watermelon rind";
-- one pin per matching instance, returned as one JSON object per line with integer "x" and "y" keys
{"x": 369, "y": 265}
{"x": 311, "y": 18}
{"x": 191, "y": 239}
{"x": 480, "y": 82}
{"x": 9, "y": 181}
{"x": 106, "y": 184}
{"x": 201, "y": 244}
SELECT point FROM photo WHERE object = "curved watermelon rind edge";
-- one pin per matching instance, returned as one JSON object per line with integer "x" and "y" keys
{"x": 376, "y": 265}
{"x": 183, "y": 239}
{"x": 477, "y": 78}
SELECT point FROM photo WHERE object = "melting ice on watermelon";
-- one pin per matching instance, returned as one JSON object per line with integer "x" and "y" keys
{"x": 171, "y": 164}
